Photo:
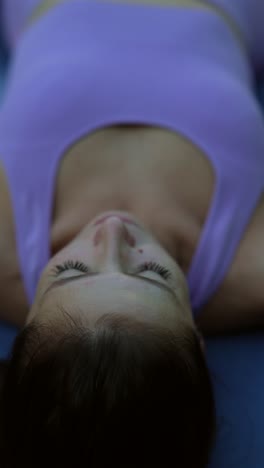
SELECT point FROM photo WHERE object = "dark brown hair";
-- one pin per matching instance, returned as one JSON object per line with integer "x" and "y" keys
{"x": 124, "y": 393}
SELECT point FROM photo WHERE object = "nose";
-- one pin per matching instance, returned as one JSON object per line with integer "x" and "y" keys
{"x": 113, "y": 237}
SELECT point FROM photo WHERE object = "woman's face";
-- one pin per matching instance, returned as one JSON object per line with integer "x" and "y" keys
{"x": 113, "y": 265}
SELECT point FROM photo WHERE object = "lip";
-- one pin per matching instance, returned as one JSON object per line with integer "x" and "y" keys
{"x": 123, "y": 218}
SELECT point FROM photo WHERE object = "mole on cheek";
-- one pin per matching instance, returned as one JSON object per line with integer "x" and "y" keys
{"x": 140, "y": 250}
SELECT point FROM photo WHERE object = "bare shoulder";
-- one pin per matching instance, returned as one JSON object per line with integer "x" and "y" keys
{"x": 13, "y": 302}
{"x": 7, "y": 230}
{"x": 239, "y": 302}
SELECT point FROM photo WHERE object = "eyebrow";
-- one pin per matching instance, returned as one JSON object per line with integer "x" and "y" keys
{"x": 72, "y": 279}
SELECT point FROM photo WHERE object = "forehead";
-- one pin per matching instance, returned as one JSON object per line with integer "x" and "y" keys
{"x": 93, "y": 296}
{"x": 112, "y": 281}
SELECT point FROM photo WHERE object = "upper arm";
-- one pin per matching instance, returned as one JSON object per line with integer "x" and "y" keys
{"x": 229, "y": 314}
{"x": 13, "y": 301}
{"x": 13, "y": 304}
{"x": 238, "y": 304}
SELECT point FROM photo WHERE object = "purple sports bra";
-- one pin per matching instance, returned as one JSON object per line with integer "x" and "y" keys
{"x": 110, "y": 63}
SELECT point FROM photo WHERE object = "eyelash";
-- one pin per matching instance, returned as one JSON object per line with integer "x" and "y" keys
{"x": 153, "y": 266}
{"x": 70, "y": 265}
{"x": 80, "y": 266}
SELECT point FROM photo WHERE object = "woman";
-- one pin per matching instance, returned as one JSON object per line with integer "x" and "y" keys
{"x": 132, "y": 200}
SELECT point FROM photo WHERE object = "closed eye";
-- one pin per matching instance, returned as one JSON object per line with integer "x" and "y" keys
{"x": 82, "y": 267}
{"x": 87, "y": 272}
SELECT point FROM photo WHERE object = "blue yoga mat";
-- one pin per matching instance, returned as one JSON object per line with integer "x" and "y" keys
{"x": 236, "y": 364}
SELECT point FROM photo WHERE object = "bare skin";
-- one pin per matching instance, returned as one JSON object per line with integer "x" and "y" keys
{"x": 238, "y": 302}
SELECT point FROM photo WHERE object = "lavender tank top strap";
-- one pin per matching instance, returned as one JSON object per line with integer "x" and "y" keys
{"x": 229, "y": 214}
